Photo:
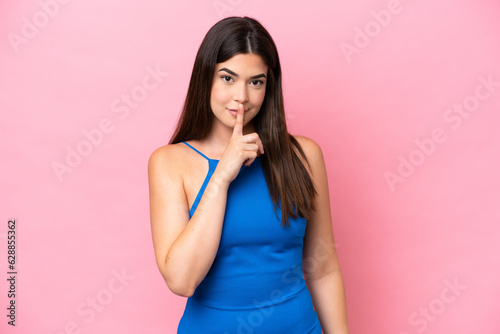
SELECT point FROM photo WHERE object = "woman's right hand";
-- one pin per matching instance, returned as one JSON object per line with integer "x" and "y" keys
{"x": 240, "y": 149}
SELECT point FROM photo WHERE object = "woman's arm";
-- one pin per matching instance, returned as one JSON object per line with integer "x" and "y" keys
{"x": 184, "y": 248}
{"x": 320, "y": 262}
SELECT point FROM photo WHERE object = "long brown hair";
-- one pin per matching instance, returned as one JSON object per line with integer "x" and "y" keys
{"x": 288, "y": 181}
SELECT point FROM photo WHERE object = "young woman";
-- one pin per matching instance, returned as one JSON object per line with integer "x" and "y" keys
{"x": 240, "y": 209}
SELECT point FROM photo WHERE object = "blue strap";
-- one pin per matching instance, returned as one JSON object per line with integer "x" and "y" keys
{"x": 203, "y": 155}
{"x": 212, "y": 164}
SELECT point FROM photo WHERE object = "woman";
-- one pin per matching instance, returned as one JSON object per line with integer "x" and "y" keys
{"x": 240, "y": 212}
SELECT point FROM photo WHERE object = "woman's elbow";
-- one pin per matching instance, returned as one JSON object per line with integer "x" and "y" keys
{"x": 179, "y": 284}
{"x": 180, "y": 287}
{"x": 182, "y": 290}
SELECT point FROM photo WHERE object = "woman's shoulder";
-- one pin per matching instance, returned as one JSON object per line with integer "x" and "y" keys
{"x": 165, "y": 152}
{"x": 310, "y": 147}
{"x": 314, "y": 154}
{"x": 167, "y": 158}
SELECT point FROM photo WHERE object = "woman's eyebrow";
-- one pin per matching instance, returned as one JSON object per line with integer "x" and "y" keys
{"x": 262, "y": 75}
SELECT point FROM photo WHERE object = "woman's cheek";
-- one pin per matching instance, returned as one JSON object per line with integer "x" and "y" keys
{"x": 219, "y": 91}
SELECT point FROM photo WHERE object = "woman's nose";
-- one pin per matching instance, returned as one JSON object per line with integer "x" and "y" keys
{"x": 240, "y": 93}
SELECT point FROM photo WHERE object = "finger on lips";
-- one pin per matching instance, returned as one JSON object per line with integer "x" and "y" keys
{"x": 238, "y": 126}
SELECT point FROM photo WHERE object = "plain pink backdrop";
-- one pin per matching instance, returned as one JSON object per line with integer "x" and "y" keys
{"x": 414, "y": 182}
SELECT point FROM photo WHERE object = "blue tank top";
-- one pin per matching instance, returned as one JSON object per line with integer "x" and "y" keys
{"x": 258, "y": 262}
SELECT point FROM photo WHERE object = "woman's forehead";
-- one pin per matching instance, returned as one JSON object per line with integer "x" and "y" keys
{"x": 244, "y": 62}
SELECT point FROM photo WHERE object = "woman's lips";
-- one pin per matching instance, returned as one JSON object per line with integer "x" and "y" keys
{"x": 234, "y": 112}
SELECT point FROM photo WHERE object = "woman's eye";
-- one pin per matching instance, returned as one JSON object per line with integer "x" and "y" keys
{"x": 227, "y": 79}
{"x": 258, "y": 82}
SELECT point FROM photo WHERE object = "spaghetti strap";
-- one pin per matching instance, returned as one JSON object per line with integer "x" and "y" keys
{"x": 212, "y": 164}
{"x": 203, "y": 155}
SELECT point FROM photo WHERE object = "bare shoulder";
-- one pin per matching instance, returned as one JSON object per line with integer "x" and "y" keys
{"x": 165, "y": 161}
{"x": 312, "y": 150}
{"x": 309, "y": 146}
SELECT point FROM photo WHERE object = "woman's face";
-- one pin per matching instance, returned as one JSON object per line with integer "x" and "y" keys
{"x": 240, "y": 79}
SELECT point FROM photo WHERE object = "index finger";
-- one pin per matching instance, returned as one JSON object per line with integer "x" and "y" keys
{"x": 238, "y": 125}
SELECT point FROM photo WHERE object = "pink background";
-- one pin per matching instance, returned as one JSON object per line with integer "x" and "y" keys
{"x": 401, "y": 244}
